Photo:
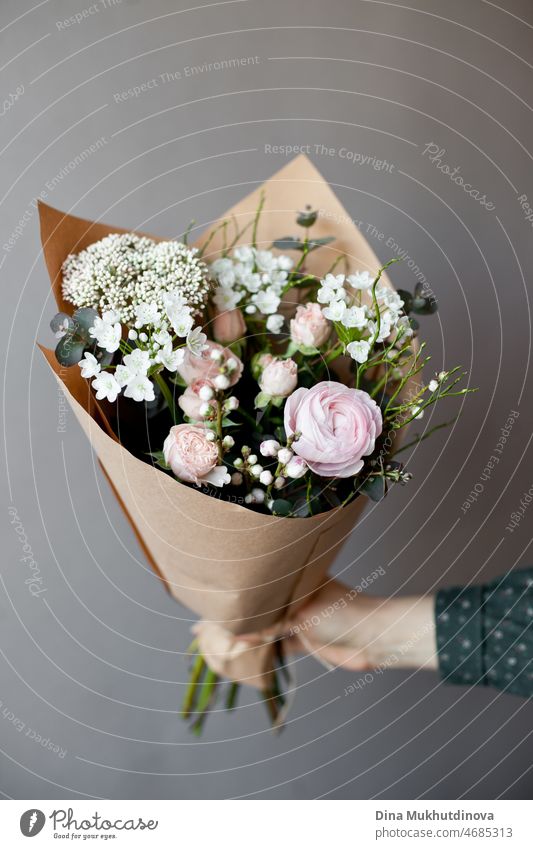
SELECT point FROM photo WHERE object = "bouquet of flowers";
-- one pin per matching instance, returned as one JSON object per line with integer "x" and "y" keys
{"x": 244, "y": 397}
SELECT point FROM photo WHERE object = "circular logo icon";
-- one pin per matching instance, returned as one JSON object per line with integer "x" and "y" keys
{"x": 32, "y": 822}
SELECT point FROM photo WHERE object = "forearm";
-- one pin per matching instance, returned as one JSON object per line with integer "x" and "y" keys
{"x": 401, "y": 632}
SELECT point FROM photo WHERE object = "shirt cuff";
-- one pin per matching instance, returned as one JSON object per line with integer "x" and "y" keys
{"x": 459, "y": 624}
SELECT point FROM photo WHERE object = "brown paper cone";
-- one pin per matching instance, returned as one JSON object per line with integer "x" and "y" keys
{"x": 230, "y": 565}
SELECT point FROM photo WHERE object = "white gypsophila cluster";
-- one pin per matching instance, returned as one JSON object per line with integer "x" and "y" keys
{"x": 252, "y": 280}
{"x": 153, "y": 337}
{"x": 342, "y": 297}
{"x": 123, "y": 270}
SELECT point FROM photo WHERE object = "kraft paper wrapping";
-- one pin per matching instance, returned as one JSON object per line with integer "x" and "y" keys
{"x": 232, "y": 566}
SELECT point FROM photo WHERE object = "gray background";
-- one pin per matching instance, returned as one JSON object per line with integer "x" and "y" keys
{"x": 94, "y": 663}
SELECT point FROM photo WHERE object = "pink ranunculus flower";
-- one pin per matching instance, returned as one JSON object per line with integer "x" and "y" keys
{"x": 309, "y": 326}
{"x": 205, "y": 367}
{"x": 338, "y": 426}
{"x": 279, "y": 378}
{"x": 191, "y": 400}
{"x": 192, "y": 457}
{"x": 228, "y": 326}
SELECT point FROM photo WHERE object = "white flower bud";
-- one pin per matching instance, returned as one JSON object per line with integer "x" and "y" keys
{"x": 252, "y": 458}
{"x": 227, "y": 479}
{"x": 143, "y": 337}
{"x": 238, "y": 463}
{"x": 250, "y": 309}
{"x": 205, "y": 393}
{"x": 256, "y": 470}
{"x": 206, "y": 410}
{"x": 433, "y": 385}
{"x": 132, "y": 334}
{"x": 210, "y": 436}
{"x": 279, "y": 482}
{"x": 228, "y": 442}
{"x": 417, "y": 412}
{"x": 231, "y": 403}
{"x": 296, "y": 468}
{"x": 269, "y": 448}
{"x": 221, "y": 381}
{"x": 216, "y": 355}
{"x": 258, "y": 495}
{"x": 236, "y": 479}
{"x": 266, "y": 477}
{"x": 442, "y": 376}
{"x": 231, "y": 364}
{"x": 285, "y": 455}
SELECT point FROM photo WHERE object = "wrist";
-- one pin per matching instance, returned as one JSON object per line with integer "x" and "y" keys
{"x": 398, "y": 632}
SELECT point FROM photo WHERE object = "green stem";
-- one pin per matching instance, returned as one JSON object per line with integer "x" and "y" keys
{"x": 190, "y": 695}
{"x": 231, "y": 698}
{"x": 167, "y": 395}
{"x": 206, "y": 694}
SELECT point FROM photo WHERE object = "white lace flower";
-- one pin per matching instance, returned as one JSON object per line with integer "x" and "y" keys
{"x": 266, "y": 301}
{"x": 359, "y": 351}
{"x": 162, "y": 336}
{"x": 140, "y": 388}
{"x": 106, "y": 386}
{"x": 106, "y": 333}
{"x": 360, "y": 280}
{"x": 196, "y": 341}
{"x": 332, "y": 289}
{"x": 244, "y": 253}
{"x": 274, "y": 323}
{"x": 90, "y": 366}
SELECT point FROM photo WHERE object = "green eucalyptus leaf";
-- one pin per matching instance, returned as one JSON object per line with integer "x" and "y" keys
{"x": 374, "y": 488}
{"x": 319, "y": 243}
{"x": 262, "y": 400}
{"x": 288, "y": 243}
{"x": 69, "y": 350}
{"x": 307, "y": 218}
{"x": 62, "y": 323}
{"x": 85, "y": 318}
{"x": 281, "y": 507}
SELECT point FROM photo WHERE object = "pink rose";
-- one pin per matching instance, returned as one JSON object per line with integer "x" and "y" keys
{"x": 191, "y": 400}
{"x": 309, "y": 326}
{"x": 213, "y": 361}
{"x": 338, "y": 426}
{"x": 228, "y": 326}
{"x": 279, "y": 378}
{"x": 192, "y": 457}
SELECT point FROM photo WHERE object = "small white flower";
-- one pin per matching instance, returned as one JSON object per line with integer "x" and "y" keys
{"x": 182, "y": 322}
{"x": 138, "y": 362}
{"x": 196, "y": 341}
{"x": 360, "y": 280}
{"x": 265, "y": 260}
{"x": 132, "y": 334}
{"x": 146, "y": 314}
{"x": 244, "y": 253}
{"x": 296, "y": 468}
{"x": 269, "y": 448}
{"x": 266, "y": 301}
{"x": 226, "y": 299}
{"x": 90, "y": 367}
{"x": 274, "y": 323}
{"x": 106, "y": 386}
{"x": 169, "y": 358}
{"x": 231, "y": 403}
{"x": 107, "y": 334}
{"x": 405, "y": 326}
{"x": 221, "y": 382}
{"x": 285, "y": 455}
{"x": 211, "y": 436}
{"x": 231, "y": 364}
{"x": 433, "y": 385}
{"x": 217, "y": 476}
{"x": 354, "y": 317}
{"x": 359, "y": 351}
{"x": 250, "y": 309}
{"x": 140, "y": 389}
{"x": 123, "y": 375}
{"x": 266, "y": 478}
{"x": 335, "y": 311}
{"x": 228, "y": 442}
{"x": 285, "y": 263}
{"x": 206, "y": 393}
{"x": 162, "y": 337}
{"x": 216, "y": 355}
{"x": 417, "y": 412}
{"x": 256, "y": 470}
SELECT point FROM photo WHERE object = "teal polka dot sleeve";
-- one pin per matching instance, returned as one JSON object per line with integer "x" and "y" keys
{"x": 485, "y": 633}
